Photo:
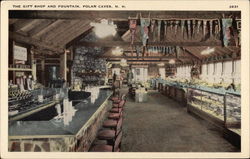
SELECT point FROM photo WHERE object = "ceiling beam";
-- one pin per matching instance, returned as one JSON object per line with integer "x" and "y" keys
{"x": 123, "y": 43}
{"x": 73, "y": 33}
{"x": 60, "y": 30}
{"x": 22, "y": 23}
{"x": 119, "y": 15}
{"x": 190, "y": 53}
{"x": 39, "y": 28}
{"x": 31, "y": 41}
{"x": 49, "y": 27}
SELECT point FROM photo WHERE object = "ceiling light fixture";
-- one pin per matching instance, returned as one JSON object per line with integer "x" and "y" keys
{"x": 104, "y": 29}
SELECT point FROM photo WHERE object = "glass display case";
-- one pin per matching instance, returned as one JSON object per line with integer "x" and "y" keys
{"x": 221, "y": 107}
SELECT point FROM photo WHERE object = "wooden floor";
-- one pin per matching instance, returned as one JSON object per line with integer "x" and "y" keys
{"x": 162, "y": 125}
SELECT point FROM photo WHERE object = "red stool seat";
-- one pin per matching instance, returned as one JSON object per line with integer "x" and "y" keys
{"x": 110, "y": 124}
{"x": 106, "y": 134}
{"x": 116, "y": 110}
{"x": 114, "y": 116}
{"x": 102, "y": 148}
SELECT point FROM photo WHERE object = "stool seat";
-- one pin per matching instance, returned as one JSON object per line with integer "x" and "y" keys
{"x": 114, "y": 116}
{"x": 100, "y": 142}
{"x": 110, "y": 124}
{"x": 102, "y": 148}
{"x": 115, "y": 110}
{"x": 106, "y": 134}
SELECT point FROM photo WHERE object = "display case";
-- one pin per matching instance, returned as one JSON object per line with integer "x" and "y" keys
{"x": 222, "y": 108}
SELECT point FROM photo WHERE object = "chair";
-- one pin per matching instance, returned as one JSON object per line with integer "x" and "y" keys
{"x": 109, "y": 148}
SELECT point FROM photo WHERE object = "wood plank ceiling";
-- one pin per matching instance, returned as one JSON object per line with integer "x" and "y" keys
{"x": 51, "y": 32}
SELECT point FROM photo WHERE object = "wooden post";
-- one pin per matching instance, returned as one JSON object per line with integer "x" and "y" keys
{"x": 33, "y": 64}
{"x": 43, "y": 71}
{"x": 63, "y": 65}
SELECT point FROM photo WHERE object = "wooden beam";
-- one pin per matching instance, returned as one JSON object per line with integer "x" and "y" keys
{"x": 193, "y": 55}
{"x": 58, "y": 31}
{"x": 39, "y": 28}
{"x": 31, "y": 41}
{"x": 21, "y": 23}
{"x": 119, "y": 15}
{"x": 78, "y": 38}
{"x": 49, "y": 27}
{"x": 75, "y": 33}
{"x": 122, "y": 43}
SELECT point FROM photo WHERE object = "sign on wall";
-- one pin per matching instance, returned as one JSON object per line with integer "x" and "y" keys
{"x": 20, "y": 53}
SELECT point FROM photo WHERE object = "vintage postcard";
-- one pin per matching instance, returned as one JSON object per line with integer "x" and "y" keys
{"x": 125, "y": 79}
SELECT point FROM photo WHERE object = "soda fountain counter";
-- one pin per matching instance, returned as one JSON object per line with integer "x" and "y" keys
{"x": 70, "y": 128}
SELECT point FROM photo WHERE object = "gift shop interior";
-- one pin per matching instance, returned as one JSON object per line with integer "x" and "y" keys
{"x": 124, "y": 81}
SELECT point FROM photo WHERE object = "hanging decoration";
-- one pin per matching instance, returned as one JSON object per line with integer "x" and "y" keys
{"x": 226, "y": 25}
{"x": 132, "y": 28}
{"x": 176, "y": 27}
{"x": 171, "y": 25}
{"x": 193, "y": 29}
{"x": 211, "y": 28}
{"x": 165, "y": 30}
{"x": 217, "y": 28}
{"x": 182, "y": 27}
{"x": 152, "y": 28}
{"x": 204, "y": 27}
{"x": 198, "y": 26}
{"x": 189, "y": 28}
{"x": 144, "y": 30}
{"x": 159, "y": 30}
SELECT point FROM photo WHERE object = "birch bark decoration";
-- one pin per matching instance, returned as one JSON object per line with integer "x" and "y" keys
{"x": 211, "y": 28}
{"x": 176, "y": 27}
{"x": 198, "y": 26}
{"x": 189, "y": 28}
{"x": 165, "y": 30}
{"x": 204, "y": 27}
{"x": 159, "y": 30}
{"x": 182, "y": 27}
{"x": 226, "y": 25}
{"x": 132, "y": 28}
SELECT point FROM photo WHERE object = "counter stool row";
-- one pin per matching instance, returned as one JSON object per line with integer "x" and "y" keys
{"x": 110, "y": 135}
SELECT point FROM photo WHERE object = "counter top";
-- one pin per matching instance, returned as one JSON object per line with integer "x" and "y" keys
{"x": 67, "y": 124}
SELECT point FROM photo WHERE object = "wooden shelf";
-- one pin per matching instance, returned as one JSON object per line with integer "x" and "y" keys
{"x": 20, "y": 69}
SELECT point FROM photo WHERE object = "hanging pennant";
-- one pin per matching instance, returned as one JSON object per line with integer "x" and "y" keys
{"x": 159, "y": 30}
{"x": 171, "y": 25}
{"x": 198, "y": 26}
{"x": 204, "y": 27}
{"x": 152, "y": 25}
{"x": 176, "y": 26}
{"x": 189, "y": 28}
{"x": 193, "y": 29}
{"x": 165, "y": 30}
{"x": 132, "y": 28}
{"x": 152, "y": 28}
{"x": 211, "y": 28}
{"x": 144, "y": 30}
{"x": 182, "y": 27}
{"x": 226, "y": 25}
